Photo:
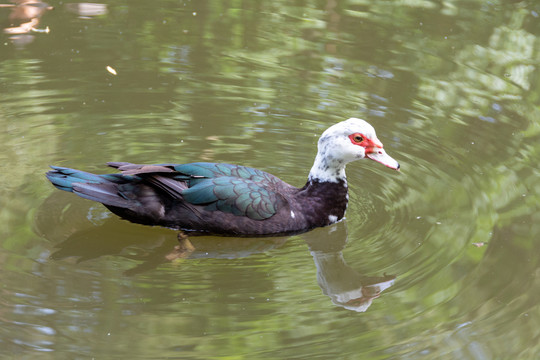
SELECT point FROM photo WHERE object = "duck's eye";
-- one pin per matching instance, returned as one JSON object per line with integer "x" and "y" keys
{"x": 357, "y": 139}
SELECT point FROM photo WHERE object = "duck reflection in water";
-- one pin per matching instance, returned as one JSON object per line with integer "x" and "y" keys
{"x": 25, "y": 16}
{"x": 87, "y": 231}
{"x": 339, "y": 281}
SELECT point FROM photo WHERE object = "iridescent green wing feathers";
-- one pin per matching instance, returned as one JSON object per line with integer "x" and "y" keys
{"x": 213, "y": 170}
{"x": 229, "y": 188}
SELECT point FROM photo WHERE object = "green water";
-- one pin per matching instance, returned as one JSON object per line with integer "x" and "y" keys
{"x": 452, "y": 89}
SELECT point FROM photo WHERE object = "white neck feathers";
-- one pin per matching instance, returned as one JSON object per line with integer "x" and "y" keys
{"x": 327, "y": 169}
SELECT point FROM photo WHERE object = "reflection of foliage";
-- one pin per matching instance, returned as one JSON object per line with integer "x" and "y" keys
{"x": 26, "y": 136}
{"x": 486, "y": 77}
{"x": 487, "y": 96}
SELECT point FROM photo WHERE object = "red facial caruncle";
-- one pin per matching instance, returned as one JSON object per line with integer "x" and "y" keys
{"x": 369, "y": 144}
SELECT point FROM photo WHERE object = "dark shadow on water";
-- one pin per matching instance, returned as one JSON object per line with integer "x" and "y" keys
{"x": 84, "y": 230}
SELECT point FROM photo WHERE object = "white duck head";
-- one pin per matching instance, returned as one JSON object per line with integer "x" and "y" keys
{"x": 347, "y": 141}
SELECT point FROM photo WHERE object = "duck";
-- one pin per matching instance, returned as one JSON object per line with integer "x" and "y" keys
{"x": 232, "y": 200}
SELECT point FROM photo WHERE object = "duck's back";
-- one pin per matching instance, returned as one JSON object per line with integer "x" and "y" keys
{"x": 205, "y": 197}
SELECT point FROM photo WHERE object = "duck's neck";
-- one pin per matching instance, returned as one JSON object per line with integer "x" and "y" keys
{"x": 324, "y": 202}
{"x": 325, "y": 195}
{"x": 327, "y": 169}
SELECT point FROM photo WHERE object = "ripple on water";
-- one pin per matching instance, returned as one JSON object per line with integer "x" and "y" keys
{"x": 418, "y": 221}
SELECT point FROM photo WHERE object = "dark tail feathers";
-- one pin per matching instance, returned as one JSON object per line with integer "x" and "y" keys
{"x": 100, "y": 188}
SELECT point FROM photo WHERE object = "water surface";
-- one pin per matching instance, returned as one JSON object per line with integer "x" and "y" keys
{"x": 452, "y": 89}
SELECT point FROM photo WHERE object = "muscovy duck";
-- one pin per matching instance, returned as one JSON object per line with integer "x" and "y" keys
{"x": 225, "y": 199}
